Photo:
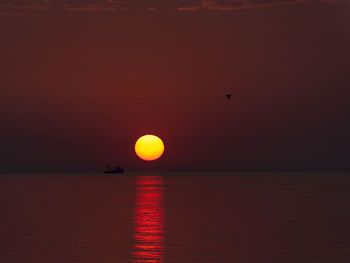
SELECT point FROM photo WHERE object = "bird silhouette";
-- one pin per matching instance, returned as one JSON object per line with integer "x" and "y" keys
{"x": 228, "y": 96}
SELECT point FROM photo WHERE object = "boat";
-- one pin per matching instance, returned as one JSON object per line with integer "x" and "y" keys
{"x": 116, "y": 170}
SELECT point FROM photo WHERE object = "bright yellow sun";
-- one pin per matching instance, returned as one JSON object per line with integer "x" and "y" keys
{"x": 149, "y": 147}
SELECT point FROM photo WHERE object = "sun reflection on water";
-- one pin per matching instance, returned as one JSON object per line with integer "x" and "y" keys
{"x": 148, "y": 217}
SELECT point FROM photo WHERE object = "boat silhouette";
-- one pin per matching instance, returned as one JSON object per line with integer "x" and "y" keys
{"x": 115, "y": 170}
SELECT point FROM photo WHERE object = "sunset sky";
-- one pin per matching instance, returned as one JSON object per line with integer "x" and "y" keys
{"x": 81, "y": 81}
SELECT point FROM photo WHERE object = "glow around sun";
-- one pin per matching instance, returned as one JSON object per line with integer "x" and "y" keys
{"x": 149, "y": 147}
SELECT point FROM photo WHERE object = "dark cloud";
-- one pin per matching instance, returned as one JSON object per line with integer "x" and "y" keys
{"x": 112, "y": 6}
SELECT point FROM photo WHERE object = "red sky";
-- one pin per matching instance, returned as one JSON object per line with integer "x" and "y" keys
{"x": 79, "y": 88}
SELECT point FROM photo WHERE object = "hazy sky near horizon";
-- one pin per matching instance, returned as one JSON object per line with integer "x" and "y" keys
{"x": 78, "y": 89}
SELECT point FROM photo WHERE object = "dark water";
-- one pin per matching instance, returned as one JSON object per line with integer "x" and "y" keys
{"x": 175, "y": 218}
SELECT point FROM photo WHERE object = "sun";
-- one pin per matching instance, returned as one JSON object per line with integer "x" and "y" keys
{"x": 149, "y": 147}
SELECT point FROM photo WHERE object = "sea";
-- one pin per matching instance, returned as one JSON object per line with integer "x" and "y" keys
{"x": 175, "y": 217}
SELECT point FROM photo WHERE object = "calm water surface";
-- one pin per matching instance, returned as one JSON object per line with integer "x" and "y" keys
{"x": 175, "y": 218}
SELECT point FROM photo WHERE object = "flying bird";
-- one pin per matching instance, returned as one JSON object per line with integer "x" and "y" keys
{"x": 228, "y": 96}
